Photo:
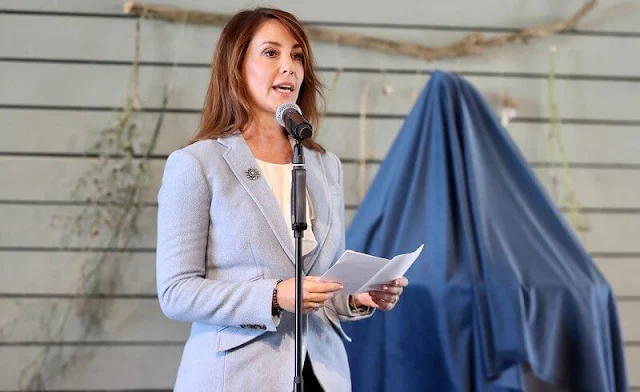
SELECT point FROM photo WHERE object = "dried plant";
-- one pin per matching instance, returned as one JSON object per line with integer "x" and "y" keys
{"x": 555, "y": 144}
{"x": 111, "y": 197}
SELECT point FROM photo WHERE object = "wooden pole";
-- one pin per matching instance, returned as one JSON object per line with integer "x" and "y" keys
{"x": 469, "y": 45}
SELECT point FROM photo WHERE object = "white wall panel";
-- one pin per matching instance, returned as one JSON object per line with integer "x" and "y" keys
{"x": 62, "y": 57}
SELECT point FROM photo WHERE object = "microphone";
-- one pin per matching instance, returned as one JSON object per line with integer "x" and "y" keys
{"x": 289, "y": 115}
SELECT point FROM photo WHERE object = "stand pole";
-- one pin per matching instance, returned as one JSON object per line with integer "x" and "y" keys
{"x": 298, "y": 225}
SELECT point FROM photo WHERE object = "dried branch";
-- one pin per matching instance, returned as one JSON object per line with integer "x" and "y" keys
{"x": 554, "y": 139}
{"x": 469, "y": 45}
{"x": 113, "y": 190}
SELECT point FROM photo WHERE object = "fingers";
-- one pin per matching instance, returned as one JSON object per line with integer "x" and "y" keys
{"x": 317, "y": 297}
{"x": 364, "y": 299}
{"x": 309, "y": 306}
{"x": 317, "y": 293}
{"x": 399, "y": 282}
{"x": 395, "y": 290}
{"x": 382, "y": 303}
{"x": 314, "y": 284}
{"x": 395, "y": 286}
{"x": 389, "y": 294}
{"x": 379, "y": 296}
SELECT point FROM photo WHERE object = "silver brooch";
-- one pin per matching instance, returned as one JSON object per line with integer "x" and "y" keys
{"x": 253, "y": 173}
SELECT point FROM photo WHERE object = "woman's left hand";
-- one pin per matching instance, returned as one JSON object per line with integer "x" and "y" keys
{"x": 385, "y": 298}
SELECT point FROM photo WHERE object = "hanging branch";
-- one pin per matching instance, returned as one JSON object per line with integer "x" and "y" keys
{"x": 112, "y": 189}
{"x": 554, "y": 139}
{"x": 470, "y": 45}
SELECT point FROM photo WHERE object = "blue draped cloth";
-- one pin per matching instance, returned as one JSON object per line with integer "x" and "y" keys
{"x": 503, "y": 284}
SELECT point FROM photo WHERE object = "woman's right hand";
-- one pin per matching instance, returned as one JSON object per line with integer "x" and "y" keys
{"x": 315, "y": 293}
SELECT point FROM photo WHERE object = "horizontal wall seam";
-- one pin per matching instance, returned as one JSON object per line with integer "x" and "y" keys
{"x": 380, "y": 25}
{"x": 397, "y": 71}
{"x": 380, "y": 116}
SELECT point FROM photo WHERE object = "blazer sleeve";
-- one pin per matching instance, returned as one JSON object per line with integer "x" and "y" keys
{"x": 184, "y": 292}
{"x": 341, "y": 301}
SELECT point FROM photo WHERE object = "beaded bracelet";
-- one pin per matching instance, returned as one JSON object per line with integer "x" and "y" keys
{"x": 275, "y": 308}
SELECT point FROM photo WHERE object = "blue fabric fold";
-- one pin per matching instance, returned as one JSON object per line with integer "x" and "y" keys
{"x": 503, "y": 284}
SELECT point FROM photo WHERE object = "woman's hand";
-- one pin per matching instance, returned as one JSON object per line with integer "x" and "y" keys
{"x": 385, "y": 298}
{"x": 315, "y": 293}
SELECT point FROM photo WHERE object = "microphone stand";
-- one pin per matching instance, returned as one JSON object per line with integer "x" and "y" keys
{"x": 299, "y": 225}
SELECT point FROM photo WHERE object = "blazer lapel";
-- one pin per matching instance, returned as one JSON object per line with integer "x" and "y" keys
{"x": 240, "y": 160}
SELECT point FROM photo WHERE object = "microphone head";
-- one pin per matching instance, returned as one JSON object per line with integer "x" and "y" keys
{"x": 283, "y": 108}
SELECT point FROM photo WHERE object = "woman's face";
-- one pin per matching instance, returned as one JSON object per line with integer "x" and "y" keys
{"x": 273, "y": 68}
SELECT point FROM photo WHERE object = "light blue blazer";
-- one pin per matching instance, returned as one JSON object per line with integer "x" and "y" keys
{"x": 222, "y": 244}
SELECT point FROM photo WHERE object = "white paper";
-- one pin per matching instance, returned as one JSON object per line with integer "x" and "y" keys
{"x": 360, "y": 272}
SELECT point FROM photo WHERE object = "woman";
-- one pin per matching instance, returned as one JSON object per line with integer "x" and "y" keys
{"x": 225, "y": 245}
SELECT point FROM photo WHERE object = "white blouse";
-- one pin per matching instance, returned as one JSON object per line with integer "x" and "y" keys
{"x": 278, "y": 176}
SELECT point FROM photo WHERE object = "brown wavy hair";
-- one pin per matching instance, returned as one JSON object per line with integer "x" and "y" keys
{"x": 226, "y": 106}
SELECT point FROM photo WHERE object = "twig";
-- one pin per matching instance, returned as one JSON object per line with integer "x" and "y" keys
{"x": 469, "y": 45}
